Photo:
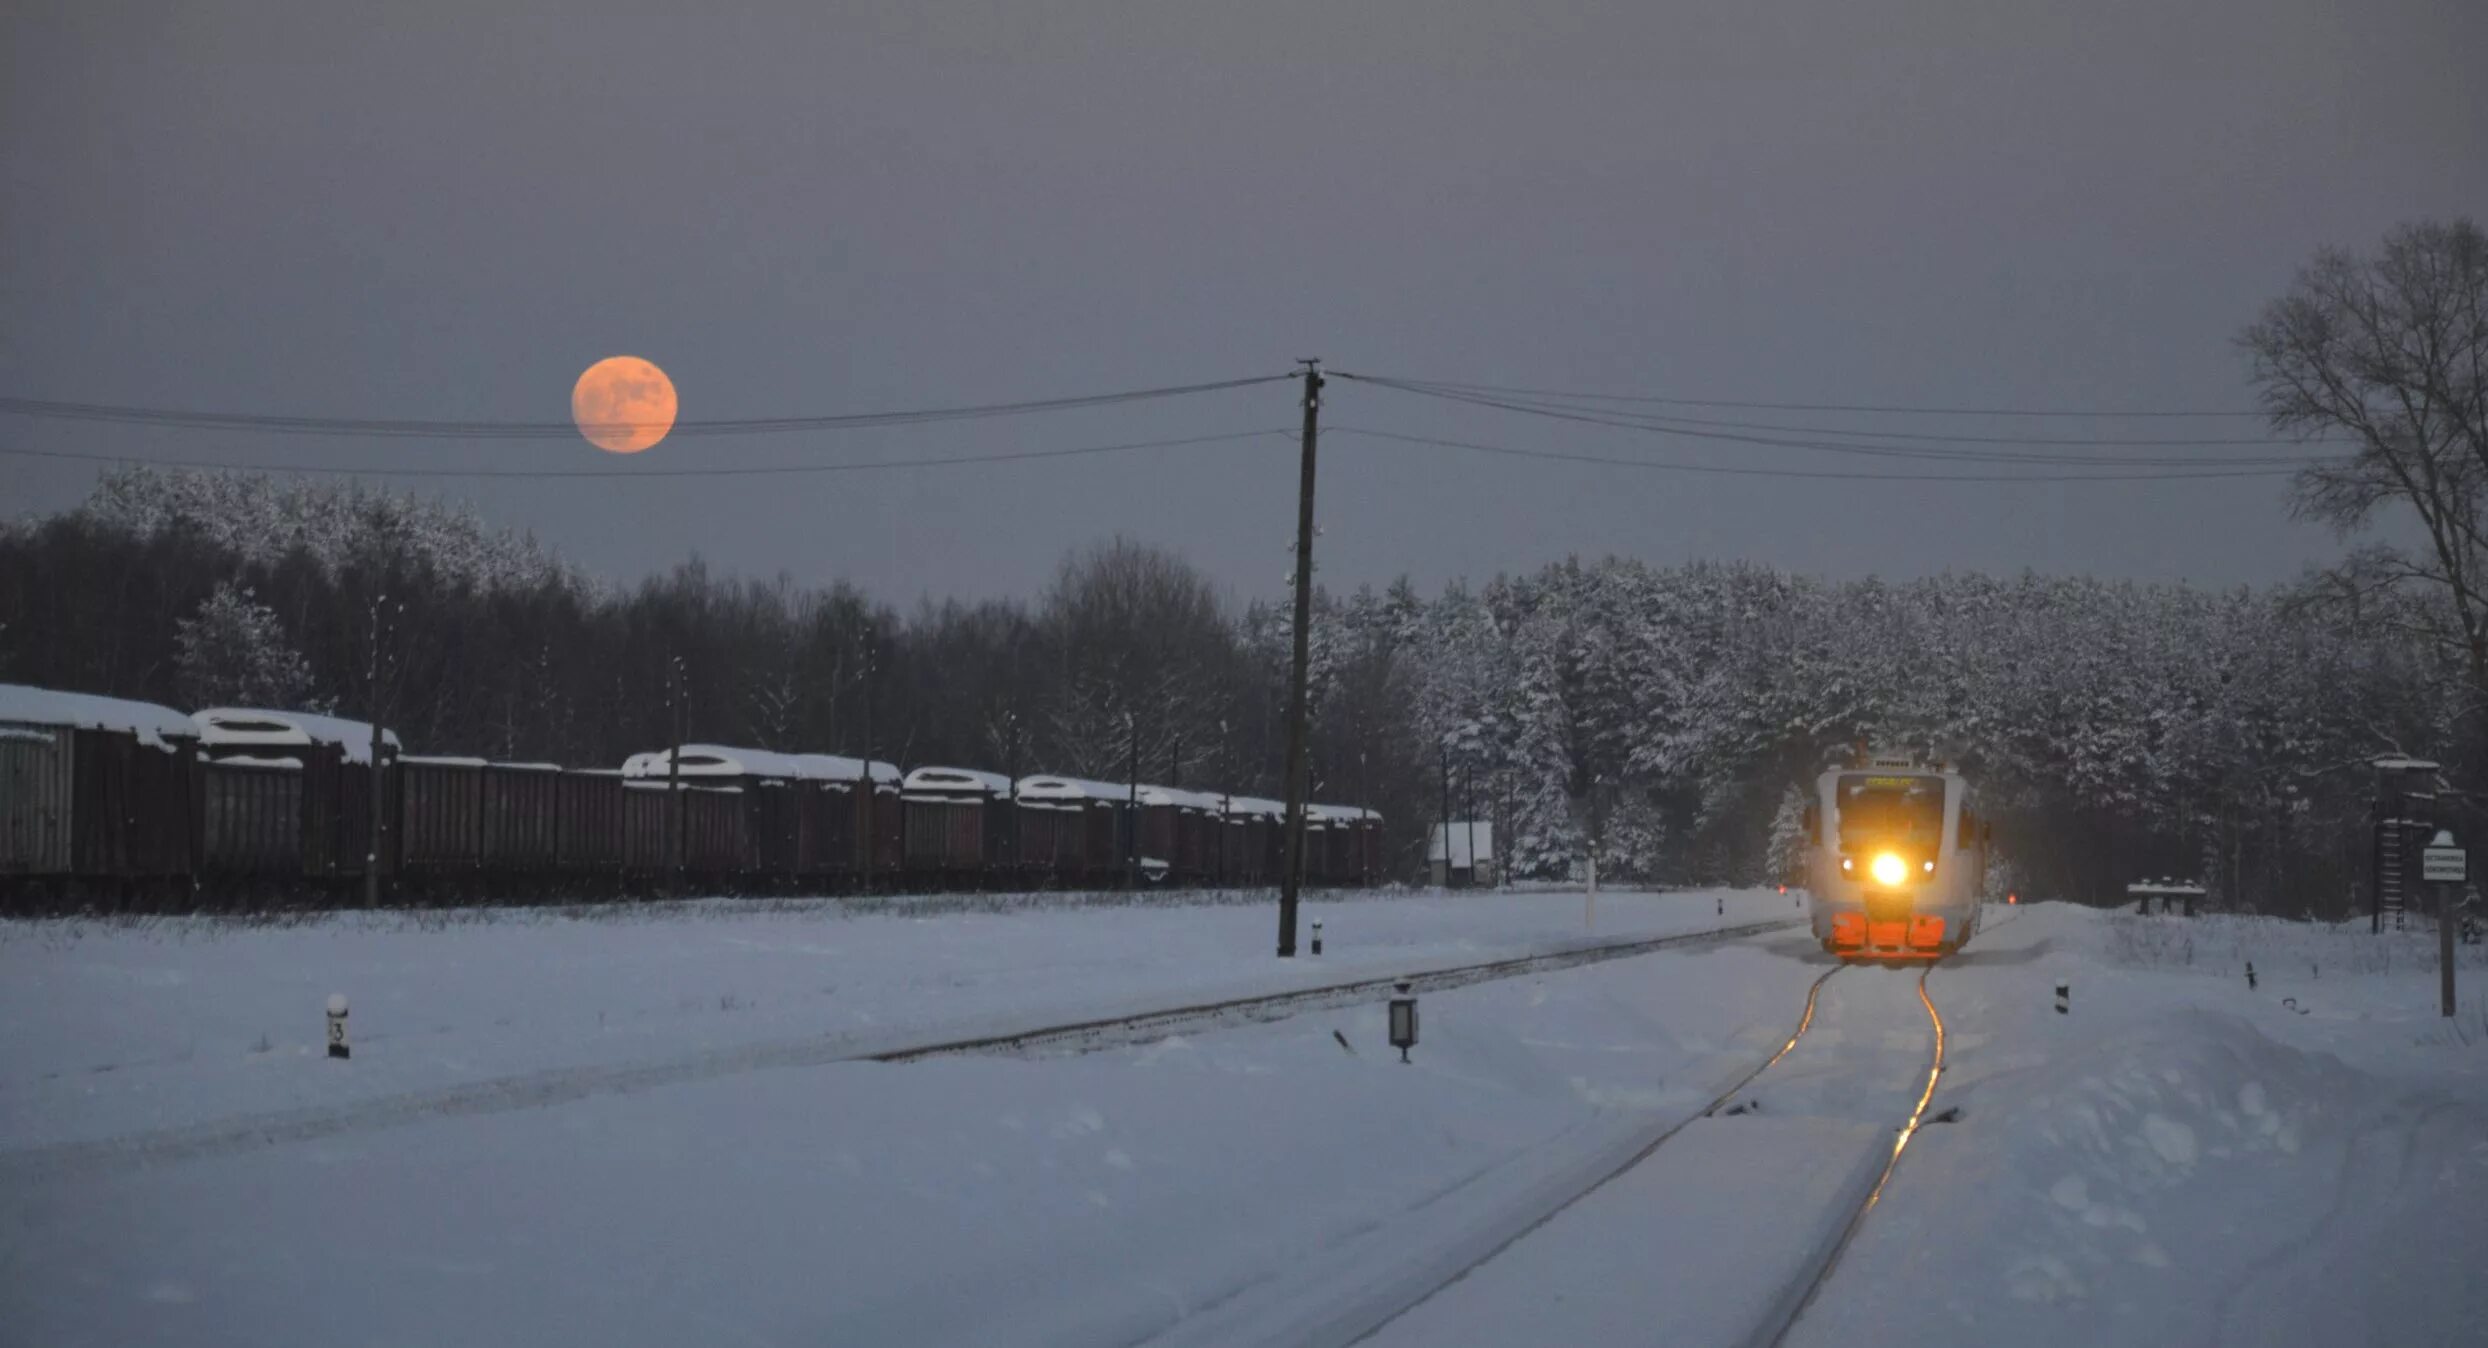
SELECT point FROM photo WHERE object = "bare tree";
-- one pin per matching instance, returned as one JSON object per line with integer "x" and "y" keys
{"x": 2389, "y": 352}
{"x": 1138, "y": 632}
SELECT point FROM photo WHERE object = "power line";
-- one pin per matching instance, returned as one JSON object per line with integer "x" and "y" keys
{"x": 385, "y": 428}
{"x": 1837, "y": 446}
{"x": 1678, "y": 466}
{"x": 1657, "y": 421}
{"x": 748, "y": 471}
{"x": 1876, "y": 408}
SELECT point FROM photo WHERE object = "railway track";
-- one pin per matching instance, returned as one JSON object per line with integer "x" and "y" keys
{"x": 1113, "y": 1031}
{"x": 1821, "y": 1275}
{"x": 537, "y": 1090}
{"x": 1789, "y": 1302}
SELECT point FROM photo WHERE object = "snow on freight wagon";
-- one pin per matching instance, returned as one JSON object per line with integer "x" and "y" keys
{"x": 112, "y": 801}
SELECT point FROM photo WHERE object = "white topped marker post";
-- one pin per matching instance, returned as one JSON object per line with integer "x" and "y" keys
{"x": 2445, "y": 866}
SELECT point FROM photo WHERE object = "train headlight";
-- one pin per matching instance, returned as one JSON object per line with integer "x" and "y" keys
{"x": 1889, "y": 869}
{"x": 1930, "y": 865}
{"x": 1848, "y": 864}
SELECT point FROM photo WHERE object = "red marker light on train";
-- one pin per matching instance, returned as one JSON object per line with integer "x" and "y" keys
{"x": 2012, "y": 898}
{"x": 1783, "y": 889}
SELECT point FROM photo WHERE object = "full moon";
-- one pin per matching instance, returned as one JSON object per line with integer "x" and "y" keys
{"x": 623, "y": 404}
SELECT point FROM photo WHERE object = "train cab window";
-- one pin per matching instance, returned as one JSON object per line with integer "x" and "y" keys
{"x": 1893, "y": 809}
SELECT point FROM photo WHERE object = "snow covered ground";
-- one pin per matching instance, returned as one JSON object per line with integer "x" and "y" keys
{"x": 119, "y": 1029}
{"x": 2180, "y": 1160}
{"x": 2185, "y": 1159}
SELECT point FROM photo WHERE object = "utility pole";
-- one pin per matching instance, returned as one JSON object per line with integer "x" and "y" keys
{"x": 1292, "y": 865}
{"x": 1131, "y": 805}
{"x": 378, "y": 790}
{"x": 1368, "y": 840}
{"x": 1226, "y": 808}
{"x": 673, "y": 779}
{"x": 1443, "y": 754}
{"x": 1468, "y": 808}
{"x": 1503, "y": 830}
{"x": 871, "y": 789}
{"x": 1010, "y": 793}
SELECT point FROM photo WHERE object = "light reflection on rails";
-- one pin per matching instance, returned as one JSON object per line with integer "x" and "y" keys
{"x": 1831, "y": 1261}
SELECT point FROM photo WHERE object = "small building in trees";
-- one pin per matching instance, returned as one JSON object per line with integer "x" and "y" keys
{"x": 1471, "y": 860}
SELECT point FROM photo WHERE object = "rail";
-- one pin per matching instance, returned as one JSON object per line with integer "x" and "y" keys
{"x": 1110, "y": 1031}
{"x": 1820, "y": 1275}
{"x": 536, "y": 1090}
{"x": 1802, "y": 1292}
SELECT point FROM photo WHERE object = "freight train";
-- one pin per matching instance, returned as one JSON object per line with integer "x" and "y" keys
{"x": 1898, "y": 862}
{"x": 105, "y": 801}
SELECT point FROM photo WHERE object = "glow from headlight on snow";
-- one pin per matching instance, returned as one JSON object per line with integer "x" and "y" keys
{"x": 1889, "y": 869}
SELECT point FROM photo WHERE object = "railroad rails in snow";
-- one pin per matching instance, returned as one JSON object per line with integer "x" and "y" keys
{"x": 1814, "y": 1140}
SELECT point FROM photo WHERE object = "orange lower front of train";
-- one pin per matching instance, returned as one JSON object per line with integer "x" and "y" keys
{"x": 1912, "y": 936}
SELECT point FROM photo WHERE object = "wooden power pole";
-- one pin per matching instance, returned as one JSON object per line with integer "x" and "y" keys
{"x": 1290, "y": 871}
{"x": 373, "y": 848}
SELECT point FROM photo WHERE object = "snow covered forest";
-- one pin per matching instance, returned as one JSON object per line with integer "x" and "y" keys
{"x": 1662, "y": 716}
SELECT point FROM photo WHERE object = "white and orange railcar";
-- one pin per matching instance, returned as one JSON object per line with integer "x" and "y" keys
{"x": 1897, "y": 866}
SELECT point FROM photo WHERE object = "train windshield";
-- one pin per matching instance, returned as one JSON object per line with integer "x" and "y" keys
{"x": 1880, "y": 807}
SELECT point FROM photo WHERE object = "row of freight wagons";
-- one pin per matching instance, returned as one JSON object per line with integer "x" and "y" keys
{"x": 98, "y": 796}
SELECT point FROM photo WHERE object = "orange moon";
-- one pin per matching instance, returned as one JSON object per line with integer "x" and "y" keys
{"x": 623, "y": 404}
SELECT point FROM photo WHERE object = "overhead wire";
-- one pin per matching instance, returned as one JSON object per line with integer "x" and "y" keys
{"x": 1671, "y": 421}
{"x": 754, "y": 470}
{"x": 400, "y": 428}
{"x": 1539, "y": 403}
{"x": 1863, "y": 408}
{"x": 1842, "y": 446}
{"x": 1727, "y": 470}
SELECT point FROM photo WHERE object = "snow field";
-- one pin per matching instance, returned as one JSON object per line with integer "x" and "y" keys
{"x": 1106, "y": 1198}
{"x": 2181, "y": 1159}
{"x": 118, "y": 1030}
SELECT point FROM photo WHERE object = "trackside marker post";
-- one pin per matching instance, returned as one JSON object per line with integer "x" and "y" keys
{"x": 2064, "y": 998}
{"x": 1317, "y": 936}
{"x": 2446, "y": 867}
{"x": 1403, "y": 1019}
{"x": 337, "y": 1047}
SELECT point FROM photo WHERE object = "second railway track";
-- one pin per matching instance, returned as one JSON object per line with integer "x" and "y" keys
{"x": 536, "y": 1090}
{"x": 1111, "y": 1031}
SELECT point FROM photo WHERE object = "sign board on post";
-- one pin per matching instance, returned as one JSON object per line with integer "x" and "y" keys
{"x": 2444, "y": 863}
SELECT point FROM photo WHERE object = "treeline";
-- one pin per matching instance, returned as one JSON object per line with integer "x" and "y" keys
{"x": 197, "y": 589}
{"x": 1661, "y": 716}
{"x": 1665, "y": 716}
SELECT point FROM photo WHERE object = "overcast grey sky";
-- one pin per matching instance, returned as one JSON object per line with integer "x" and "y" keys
{"x": 447, "y": 211}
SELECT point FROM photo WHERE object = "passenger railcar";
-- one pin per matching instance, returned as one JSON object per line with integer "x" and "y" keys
{"x": 1897, "y": 865}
